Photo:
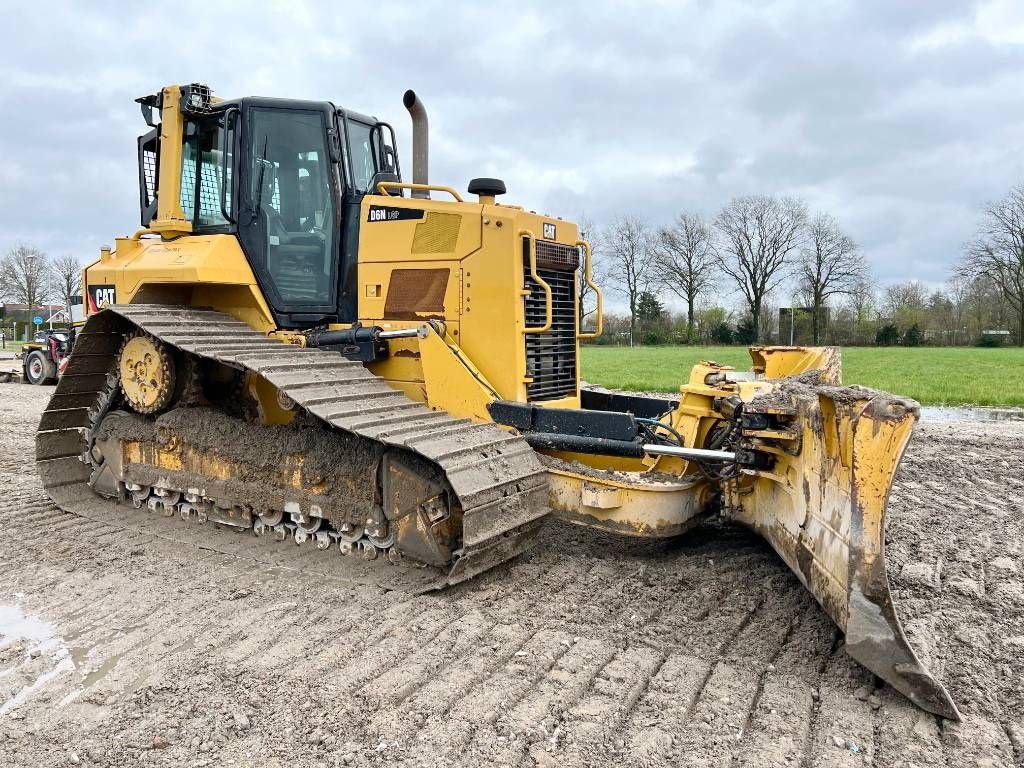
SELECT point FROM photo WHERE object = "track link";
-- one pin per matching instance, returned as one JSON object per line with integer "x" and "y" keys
{"x": 496, "y": 477}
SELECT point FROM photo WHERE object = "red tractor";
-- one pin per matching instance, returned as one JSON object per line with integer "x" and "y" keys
{"x": 45, "y": 357}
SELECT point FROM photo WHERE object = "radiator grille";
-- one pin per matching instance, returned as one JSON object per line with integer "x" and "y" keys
{"x": 557, "y": 256}
{"x": 551, "y": 356}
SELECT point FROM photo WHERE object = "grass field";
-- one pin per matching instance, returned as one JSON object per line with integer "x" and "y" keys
{"x": 932, "y": 376}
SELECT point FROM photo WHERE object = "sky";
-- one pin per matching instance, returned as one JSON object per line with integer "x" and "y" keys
{"x": 900, "y": 118}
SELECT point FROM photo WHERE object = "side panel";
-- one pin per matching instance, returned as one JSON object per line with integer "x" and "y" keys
{"x": 207, "y": 270}
{"x": 460, "y": 263}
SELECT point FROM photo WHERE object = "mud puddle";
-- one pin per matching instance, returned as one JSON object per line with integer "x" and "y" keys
{"x": 940, "y": 414}
{"x": 39, "y": 641}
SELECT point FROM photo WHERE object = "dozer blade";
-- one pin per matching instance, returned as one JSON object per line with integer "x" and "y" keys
{"x": 822, "y": 507}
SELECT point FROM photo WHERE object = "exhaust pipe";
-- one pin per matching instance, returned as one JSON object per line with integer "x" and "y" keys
{"x": 419, "y": 141}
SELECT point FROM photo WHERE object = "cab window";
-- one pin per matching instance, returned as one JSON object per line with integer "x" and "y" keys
{"x": 361, "y": 151}
{"x": 202, "y": 173}
{"x": 294, "y": 223}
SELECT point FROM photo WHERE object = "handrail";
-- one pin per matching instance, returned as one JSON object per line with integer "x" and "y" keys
{"x": 588, "y": 276}
{"x": 548, "y": 304}
{"x": 382, "y": 186}
{"x": 223, "y": 192}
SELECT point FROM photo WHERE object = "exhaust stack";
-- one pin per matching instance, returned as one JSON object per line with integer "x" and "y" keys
{"x": 420, "y": 151}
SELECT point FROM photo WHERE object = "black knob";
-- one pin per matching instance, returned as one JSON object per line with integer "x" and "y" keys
{"x": 487, "y": 187}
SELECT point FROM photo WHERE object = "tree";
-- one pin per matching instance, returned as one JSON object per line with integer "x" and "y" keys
{"x": 997, "y": 252}
{"x": 626, "y": 246}
{"x": 958, "y": 289}
{"x": 722, "y": 334}
{"x": 66, "y": 278}
{"x": 746, "y": 332}
{"x": 913, "y": 337}
{"x": 685, "y": 255}
{"x": 983, "y": 306}
{"x": 905, "y": 303}
{"x": 648, "y": 308}
{"x": 887, "y": 335}
{"x": 862, "y": 301}
{"x": 829, "y": 264}
{"x": 942, "y": 317}
{"x": 25, "y": 275}
{"x": 862, "y": 298}
{"x": 709, "y": 319}
{"x": 760, "y": 234}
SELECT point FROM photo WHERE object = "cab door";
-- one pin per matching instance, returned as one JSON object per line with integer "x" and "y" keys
{"x": 290, "y": 220}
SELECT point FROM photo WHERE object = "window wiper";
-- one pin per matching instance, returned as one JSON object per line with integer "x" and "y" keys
{"x": 259, "y": 183}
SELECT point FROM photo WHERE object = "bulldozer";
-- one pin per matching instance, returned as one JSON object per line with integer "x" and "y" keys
{"x": 300, "y": 344}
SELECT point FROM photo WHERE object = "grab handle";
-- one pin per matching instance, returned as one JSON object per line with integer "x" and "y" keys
{"x": 549, "y": 314}
{"x": 384, "y": 186}
{"x": 588, "y": 276}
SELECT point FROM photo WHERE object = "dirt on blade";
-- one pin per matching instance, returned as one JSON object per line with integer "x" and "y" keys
{"x": 121, "y": 647}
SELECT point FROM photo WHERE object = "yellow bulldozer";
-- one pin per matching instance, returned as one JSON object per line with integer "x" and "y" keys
{"x": 300, "y": 344}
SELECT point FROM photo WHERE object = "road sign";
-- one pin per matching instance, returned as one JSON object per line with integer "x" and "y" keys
{"x": 37, "y": 320}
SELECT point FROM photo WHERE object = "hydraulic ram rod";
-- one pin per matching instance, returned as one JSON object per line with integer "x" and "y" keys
{"x": 401, "y": 333}
{"x": 700, "y": 454}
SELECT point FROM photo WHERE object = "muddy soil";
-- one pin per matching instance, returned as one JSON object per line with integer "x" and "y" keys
{"x": 118, "y": 647}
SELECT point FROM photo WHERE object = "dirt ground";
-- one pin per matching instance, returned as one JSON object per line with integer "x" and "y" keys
{"x": 150, "y": 646}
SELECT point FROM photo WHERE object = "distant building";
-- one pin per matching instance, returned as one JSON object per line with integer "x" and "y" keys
{"x": 19, "y": 313}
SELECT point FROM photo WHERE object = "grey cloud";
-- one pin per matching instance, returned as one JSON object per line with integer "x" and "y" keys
{"x": 603, "y": 107}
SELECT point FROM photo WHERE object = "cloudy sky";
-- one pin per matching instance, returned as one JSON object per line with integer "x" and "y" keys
{"x": 900, "y": 118}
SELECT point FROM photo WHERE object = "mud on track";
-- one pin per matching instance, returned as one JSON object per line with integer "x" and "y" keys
{"x": 587, "y": 651}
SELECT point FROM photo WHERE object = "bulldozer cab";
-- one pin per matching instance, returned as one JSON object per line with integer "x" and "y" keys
{"x": 285, "y": 176}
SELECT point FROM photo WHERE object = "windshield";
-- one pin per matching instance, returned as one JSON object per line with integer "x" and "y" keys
{"x": 293, "y": 217}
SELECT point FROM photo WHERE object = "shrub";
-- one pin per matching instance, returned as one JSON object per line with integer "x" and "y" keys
{"x": 653, "y": 336}
{"x": 722, "y": 334}
{"x": 745, "y": 333}
{"x": 887, "y": 336}
{"x": 989, "y": 340}
{"x": 913, "y": 337}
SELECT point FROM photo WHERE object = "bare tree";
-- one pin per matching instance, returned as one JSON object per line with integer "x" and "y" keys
{"x": 684, "y": 255}
{"x": 863, "y": 299}
{"x": 984, "y": 301}
{"x": 829, "y": 265}
{"x": 908, "y": 296}
{"x": 997, "y": 252}
{"x": 760, "y": 234}
{"x": 66, "y": 279}
{"x": 25, "y": 275}
{"x": 958, "y": 290}
{"x": 627, "y": 257}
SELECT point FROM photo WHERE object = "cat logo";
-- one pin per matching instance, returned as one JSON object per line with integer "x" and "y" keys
{"x": 101, "y": 296}
{"x": 549, "y": 231}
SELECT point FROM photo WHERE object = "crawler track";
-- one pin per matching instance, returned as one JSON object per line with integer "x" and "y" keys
{"x": 500, "y": 485}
